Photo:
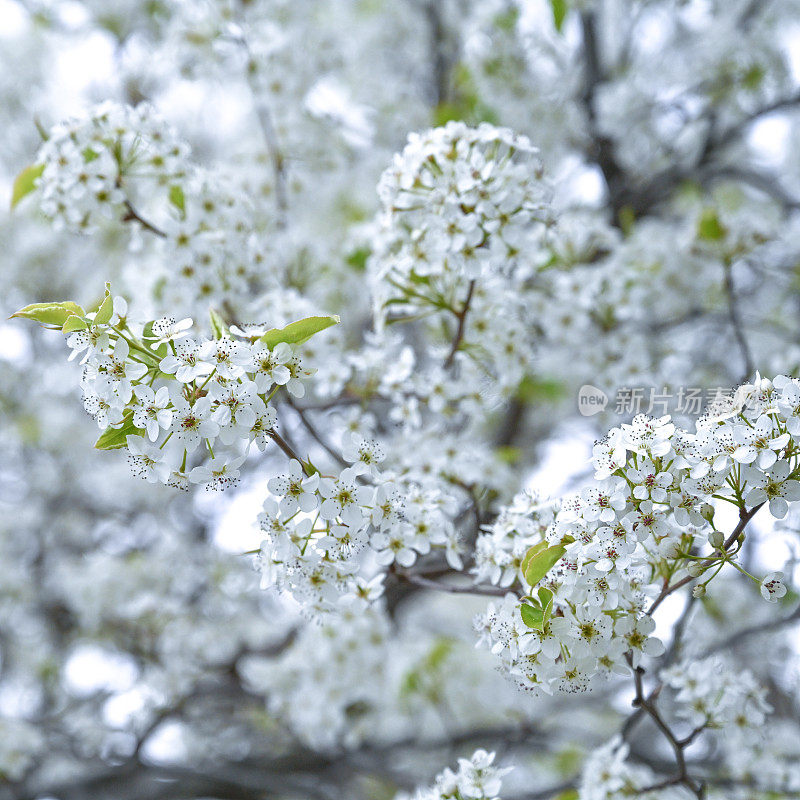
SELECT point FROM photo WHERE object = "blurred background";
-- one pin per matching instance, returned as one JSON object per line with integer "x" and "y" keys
{"x": 138, "y": 656}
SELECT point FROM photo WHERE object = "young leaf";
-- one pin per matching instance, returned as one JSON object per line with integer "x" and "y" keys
{"x": 74, "y": 323}
{"x": 546, "y": 599}
{"x": 218, "y": 326}
{"x": 106, "y": 310}
{"x": 50, "y": 313}
{"x": 559, "y": 8}
{"x": 116, "y": 438}
{"x": 537, "y": 548}
{"x": 298, "y": 332}
{"x": 25, "y": 183}
{"x": 533, "y": 617}
{"x": 541, "y": 563}
{"x": 177, "y": 198}
{"x": 709, "y": 228}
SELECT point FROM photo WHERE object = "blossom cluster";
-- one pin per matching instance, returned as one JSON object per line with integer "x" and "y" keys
{"x": 125, "y": 163}
{"x": 316, "y": 527}
{"x": 461, "y": 202}
{"x": 211, "y": 250}
{"x": 501, "y": 546}
{"x": 608, "y": 775}
{"x": 332, "y": 684}
{"x": 88, "y": 163}
{"x": 645, "y": 526}
{"x": 173, "y": 400}
{"x": 710, "y": 694}
{"x": 20, "y": 744}
{"x": 476, "y": 779}
{"x": 465, "y": 213}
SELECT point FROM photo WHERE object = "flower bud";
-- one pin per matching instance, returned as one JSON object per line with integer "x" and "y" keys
{"x": 716, "y": 539}
{"x": 696, "y": 568}
{"x": 699, "y": 590}
{"x": 670, "y": 548}
{"x": 707, "y": 512}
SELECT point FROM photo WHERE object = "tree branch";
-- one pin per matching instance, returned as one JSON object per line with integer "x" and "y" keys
{"x": 744, "y": 519}
{"x": 462, "y": 317}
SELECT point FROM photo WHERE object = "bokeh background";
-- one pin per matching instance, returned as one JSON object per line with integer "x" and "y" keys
{"x": 138, "y": 655}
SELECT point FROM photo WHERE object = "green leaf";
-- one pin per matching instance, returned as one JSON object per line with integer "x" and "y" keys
{"x": 50, "y": 313}
{"x": 546, "y": 599}
{"x": 298, "y": 332}
{"x": 709, "y": 228}
{"x": 116, "y": 438}
{"x": 507, "y": 20}
{"x": 535, "y": 615}
{"x": 358, "y": 258}
{"x": 559, "y": 8}
{"x": 25, "y": 183}
{"x": 547, "y": 390}
{"x": 537, "y": 548}
{"x": 74, "y": 323}
{"x": 754, "y": 77}
{"x": 508, "y": 454}
{"x": 106, "y": 310}
{"x": 177, "y": 198}
{"x": 568, "y": 794}
{"x": 541, "y": 563}
{"x": 218, "y": 326}
{"x": 532, "y": 616}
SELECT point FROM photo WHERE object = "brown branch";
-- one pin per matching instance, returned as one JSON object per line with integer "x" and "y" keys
{"x": 462, "y": 317}
{"x": 737, "y": 129}
{"x": 264, "y": 117}
{"x": 736, "y": 321}
{"x": 602, "y": 146}
{"x": 315, "y": 434}
{"x": 753, "y": 630}
{"x": 744, "y": 519}
{"x": 768, "y": 184}
{"x": 648, "y": 705}
{"x": 132, "y": 215}
{"x": 287, "y": 449}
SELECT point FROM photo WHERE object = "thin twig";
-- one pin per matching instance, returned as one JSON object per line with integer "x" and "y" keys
{"x": 288, "y": 449}
{"x": 736, "y": 321}
{"x": 678, "y": 745}
{"x": 131, "y": 215}
{"x": 744, "y": 519}
{"x": 462, "y": 317}
{"x": 753, "y": 630}
{"x": 315, "y": 434}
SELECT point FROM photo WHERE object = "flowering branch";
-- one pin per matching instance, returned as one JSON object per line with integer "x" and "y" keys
{"x": 744, "y": 518}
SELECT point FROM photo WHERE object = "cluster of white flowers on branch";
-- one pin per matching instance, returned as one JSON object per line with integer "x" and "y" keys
{"x": 465, "y": 212}
{"x": 646, "y": 527}
{"x": 172, "y": 400}
{"x": 317, "y": 525}
{"x": 711, "y": 696}
{"x": 127, "y": 164}
{"x": 88, "y": 164}
{"x": 465, "y": 248}
{"x": 649, "y": 239}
